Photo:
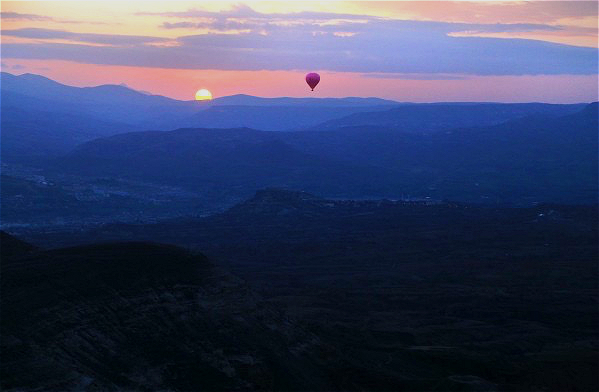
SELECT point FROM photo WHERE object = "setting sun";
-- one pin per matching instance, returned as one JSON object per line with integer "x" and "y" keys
{"x": 203, "y": 95}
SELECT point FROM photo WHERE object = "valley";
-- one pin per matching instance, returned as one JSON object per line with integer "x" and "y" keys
{"x": 422, "y": 295}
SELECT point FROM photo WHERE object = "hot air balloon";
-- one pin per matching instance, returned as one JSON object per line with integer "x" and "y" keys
{"x": 312, "y": 79}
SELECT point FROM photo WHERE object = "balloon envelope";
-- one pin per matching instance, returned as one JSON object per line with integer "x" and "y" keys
{"x": 312, "y": 79}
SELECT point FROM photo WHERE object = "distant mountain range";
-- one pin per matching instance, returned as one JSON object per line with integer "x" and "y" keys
{"x": 121, "y": 104}
{"x": 113, "y": 103}
{"x": 66, "y": 116}
{"x": 249, "y": 100}
{"x": 347, "y": 147}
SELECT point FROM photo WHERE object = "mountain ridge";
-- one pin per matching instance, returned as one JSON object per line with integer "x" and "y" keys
{"x": 417, "y": 117}
{"x": 122, "y": 104}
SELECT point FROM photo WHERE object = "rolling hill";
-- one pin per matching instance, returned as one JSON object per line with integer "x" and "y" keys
{"x": 249, "y": 100}
{"x": 30, "y": 135}
{"x": 444, "y": 116}
{"x": 229, "y": 161}
{"x": 272, "y": 117}
{"x": 523, "y": 161}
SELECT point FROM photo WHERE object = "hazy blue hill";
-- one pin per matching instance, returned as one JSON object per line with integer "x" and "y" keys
{"x": 107, "y": 102}
{"x": 515, "y": 153}
{"x": 435, "y": 117}
{"x": 532, "y": 159}
{"x": 29, "y": 134}
{"x": 536, "y": 158}
{"x": 41, "y": 87}
{"x": 249, "y": 100}
{"x": 271, "y": 117}
{"x": 74, "y": 115}
{"x": 233, "y": 161}
{"x": 34, "y": 85}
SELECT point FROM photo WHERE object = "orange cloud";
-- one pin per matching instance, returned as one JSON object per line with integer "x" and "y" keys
{"x": 110, "y": 17}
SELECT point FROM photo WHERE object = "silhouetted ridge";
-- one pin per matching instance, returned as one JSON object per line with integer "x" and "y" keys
{"x": 124, "y": 267}
{"x": 592, "y": 109}
{"x": 278, "y": 201}
{"x": 11, "y": 246}
{"x": 283, "y": 202}
{"x": 273, "y": 195}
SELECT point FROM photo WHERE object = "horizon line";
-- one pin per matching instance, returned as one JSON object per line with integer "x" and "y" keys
{"x": 125, "y": 86}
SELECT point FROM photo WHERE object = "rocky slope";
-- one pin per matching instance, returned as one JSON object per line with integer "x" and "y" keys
{"x": 142, "y": 316}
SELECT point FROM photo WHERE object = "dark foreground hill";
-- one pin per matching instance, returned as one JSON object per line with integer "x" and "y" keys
{"x": 11, "y": 246}
{"x": 419, "y": 296}
{"x": 141, "y": 316}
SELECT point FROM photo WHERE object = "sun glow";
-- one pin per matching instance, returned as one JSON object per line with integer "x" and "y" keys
{"x": 203, "y": 95}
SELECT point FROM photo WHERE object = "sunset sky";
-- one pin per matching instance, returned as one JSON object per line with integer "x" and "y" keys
{"x": 408, "y": 51}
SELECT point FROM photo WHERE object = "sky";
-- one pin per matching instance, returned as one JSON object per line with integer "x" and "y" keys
{"x": 422, "y": 51}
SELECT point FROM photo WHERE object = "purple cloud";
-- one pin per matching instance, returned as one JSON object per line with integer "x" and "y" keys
{"x": 307, "y": 40}
{"x": 19, "y": 16}
{"x": 109, "y": 39}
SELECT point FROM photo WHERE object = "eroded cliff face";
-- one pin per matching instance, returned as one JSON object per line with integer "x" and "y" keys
{"x": 139, "y": 316}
